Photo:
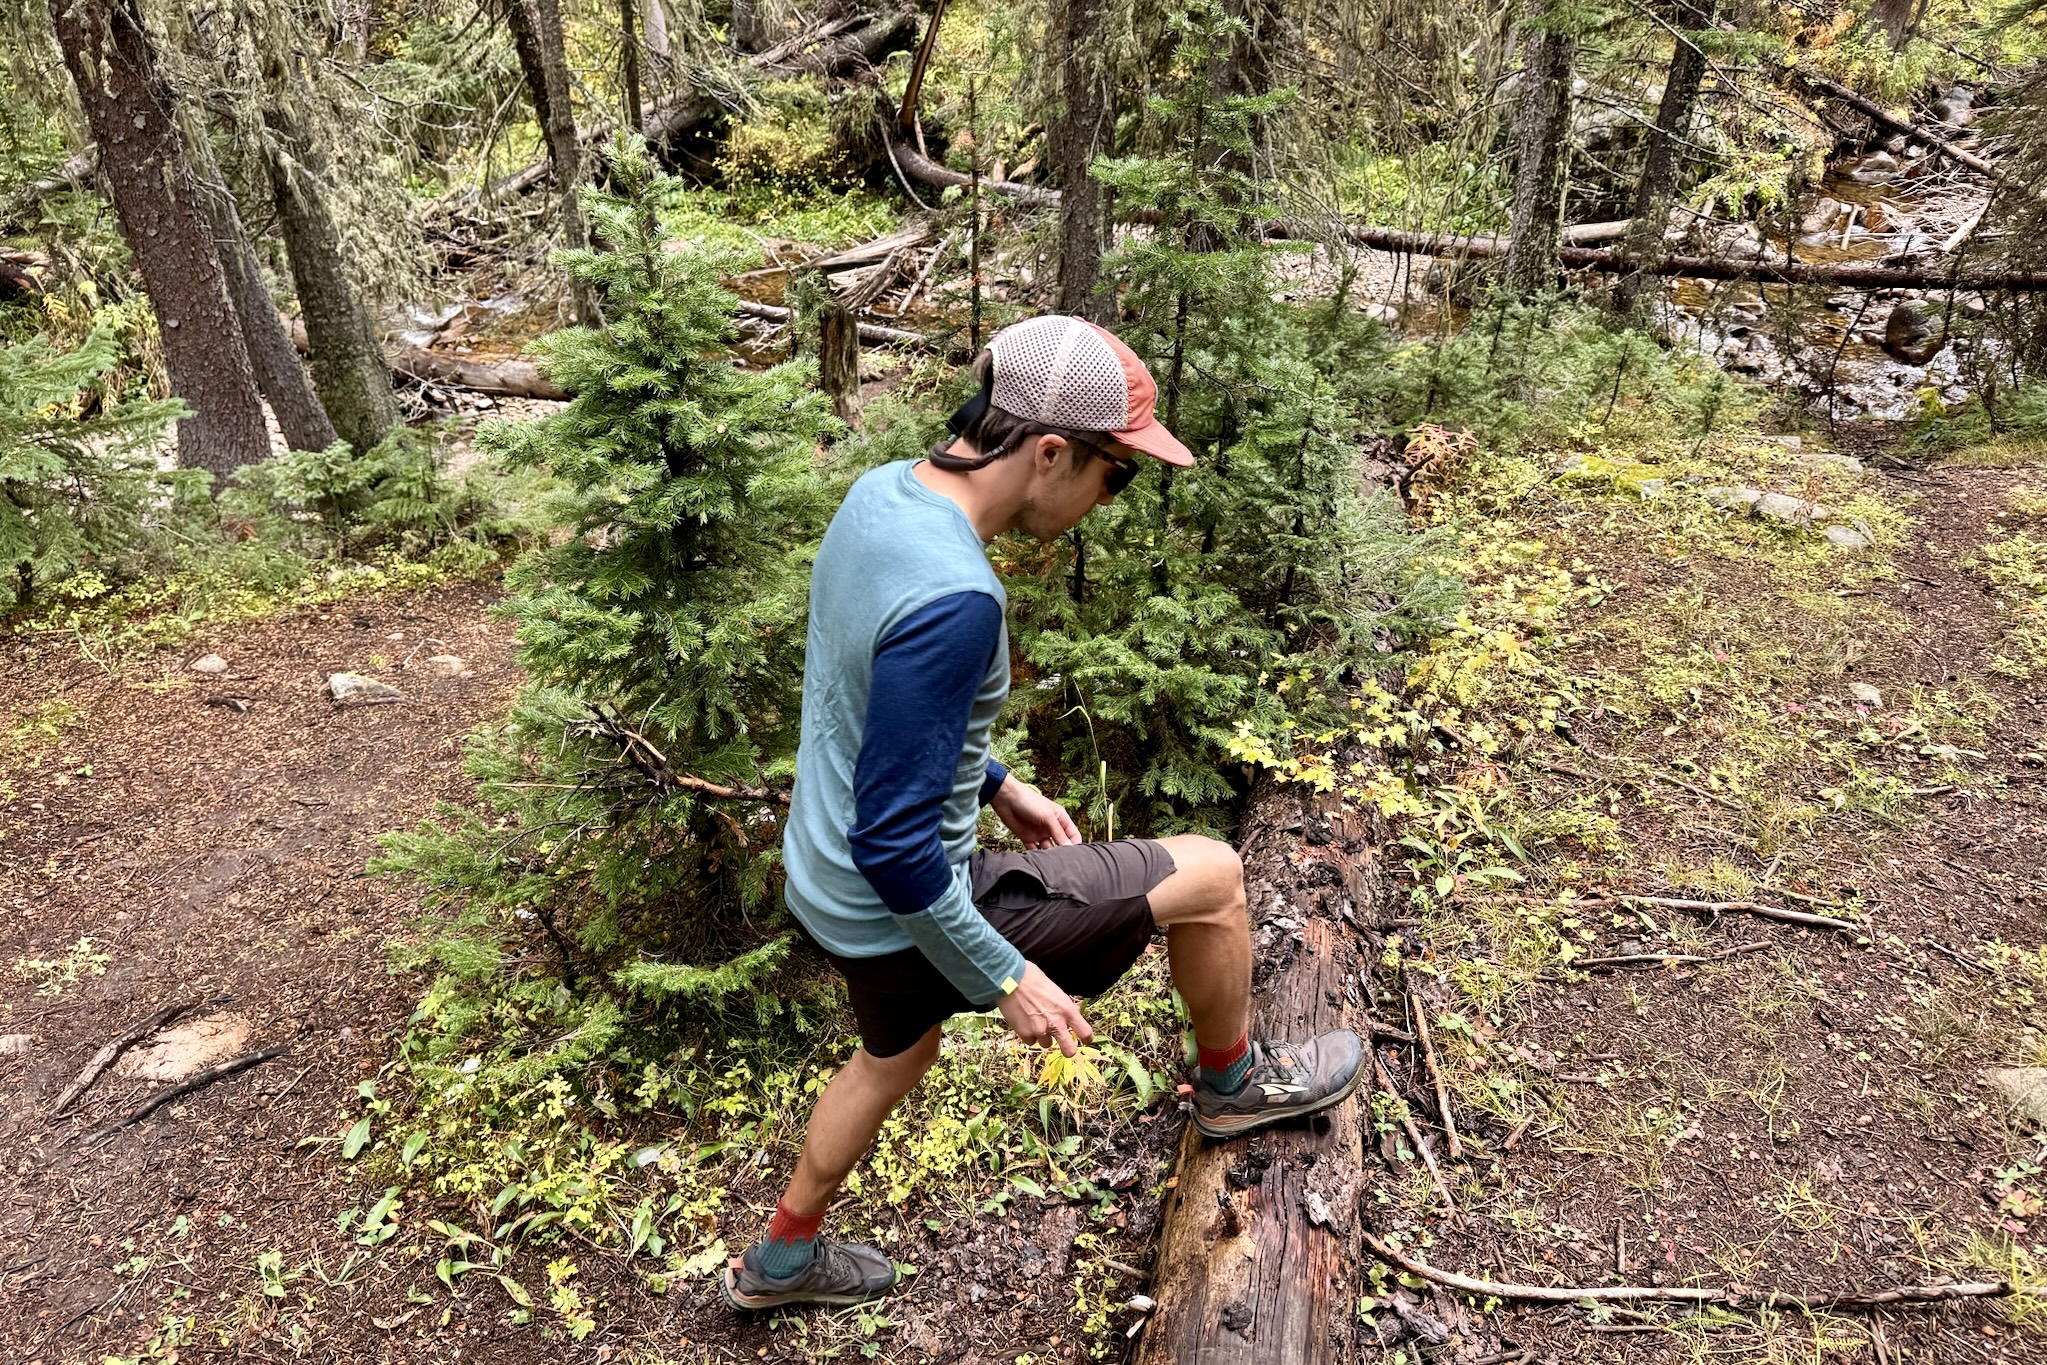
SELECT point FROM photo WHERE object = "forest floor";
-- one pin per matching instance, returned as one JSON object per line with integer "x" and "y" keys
{"x": 1809, "y": 1114}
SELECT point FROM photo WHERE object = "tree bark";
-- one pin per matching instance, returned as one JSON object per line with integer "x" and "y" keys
{"x": 1541, "y": 157}
{"x": 749, "y": 27}
{"x": 537, "y": 38}
{"x": 1080, "y": 133}
{"x": 1658, "y": 185}
{"x": 629, "y": 60}
{"x": 838, "y": 358}
{"x": 129, "y": 108}
{"x": 279, "y": 376}
{"x": 1261, "y": 1253}
{"x": 348, "y": 361}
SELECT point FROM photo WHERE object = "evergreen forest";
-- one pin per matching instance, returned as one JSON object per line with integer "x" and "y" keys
{"x": 1606, "y": 613}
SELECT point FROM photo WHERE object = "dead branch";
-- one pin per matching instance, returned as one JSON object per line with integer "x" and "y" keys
{"x": 1815, "y": 84}
{"x": 186, "y": 1087}
{"x": 1744, "y": 907}
{"x": 1730, "y": 1296}
{"x": 1428, "y": 1051}
{"x": 109, "y": 1054}
{"x": 1665, "y": 959}
{"x": 639, "y": 753}
{"x": 1414, "y": 1134}
{"x": 871, "y": 333}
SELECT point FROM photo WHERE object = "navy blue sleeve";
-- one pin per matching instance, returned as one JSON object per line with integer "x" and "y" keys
{"x": 926, "y": 672}
{"x": 992, "y": 783}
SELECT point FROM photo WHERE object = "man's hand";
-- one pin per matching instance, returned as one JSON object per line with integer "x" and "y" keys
{"x": 1037, "y": 1011}
{"x": 1033, "y": 817}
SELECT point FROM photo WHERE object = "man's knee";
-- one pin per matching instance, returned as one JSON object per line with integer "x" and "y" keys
{"x": 1207, "y": 882}
{"x": 898, "y": 1075}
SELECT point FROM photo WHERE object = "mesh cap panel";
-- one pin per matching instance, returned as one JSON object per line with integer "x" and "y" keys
{"x": 1059, "y": 371}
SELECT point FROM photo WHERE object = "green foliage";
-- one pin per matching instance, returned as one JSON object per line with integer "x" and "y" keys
{"x": 1148, "y": 631}
{"x": 675, "y": 598}
{"x": 335, "y": 503}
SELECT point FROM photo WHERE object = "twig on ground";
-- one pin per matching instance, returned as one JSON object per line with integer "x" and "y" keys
{"x": 1962, "y": 958}
{"x": 1399, "y": 1035}
{"x": 111, "y": 1053}
{"x": 1700, "y": 907}
{"x": 1428, "y": 1051}
{"x": 1728, "y": 1296}
{"x": 1629, "y": 959}
{"x": 1414, "y": 1135}
{"x": 186, "y": 1087}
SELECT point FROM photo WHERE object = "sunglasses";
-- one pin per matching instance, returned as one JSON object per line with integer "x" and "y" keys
{"x": 1122, "y": 473}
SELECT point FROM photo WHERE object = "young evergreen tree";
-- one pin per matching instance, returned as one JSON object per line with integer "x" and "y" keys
{"x": 74, "y": 490}
{"x": 676, "y": 602}
{"x": 1184, "y": 610}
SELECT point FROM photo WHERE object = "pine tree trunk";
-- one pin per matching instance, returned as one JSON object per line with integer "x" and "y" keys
{"x": 654, "y": 25}
{"x": 1541, "y": 156}
{"x": 279, "y": 375}
{"x": 838, "y": 358}
{"x": 629, "y": 61}
{"x": 129, "y": 108}
{"x": 348, "y": 360}
{"x": 537, "y": 37}
{"x": 1658, "y": 185}
{"x": 1081, "y": 133}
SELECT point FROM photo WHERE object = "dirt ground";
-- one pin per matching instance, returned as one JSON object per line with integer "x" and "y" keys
{"x": 213, "y": 856}
{"x": 1811, "y": 1116}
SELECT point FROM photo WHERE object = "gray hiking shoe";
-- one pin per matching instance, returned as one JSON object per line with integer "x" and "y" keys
{"x": 1286, "y": 1080}
{"x": 840, "y": 1273}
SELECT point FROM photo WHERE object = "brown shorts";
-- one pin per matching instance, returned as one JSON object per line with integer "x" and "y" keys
{"x": 1081, "y": 912}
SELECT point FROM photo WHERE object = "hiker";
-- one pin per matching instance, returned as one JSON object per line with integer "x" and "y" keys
{"x": 907, "y": 669}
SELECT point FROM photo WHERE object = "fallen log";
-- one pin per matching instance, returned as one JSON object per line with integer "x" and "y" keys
{"x": 1749, "y": 270}
{"x": 1813, "y": 83}
{"x": 836, "y": 49}
{"x": 1744, "y": 1299}
{"x": 1844, "y": 275}
{"x": 499, "y": 378}
{"x": 871, "y": 333}
{"x": 1260, "y": 1256}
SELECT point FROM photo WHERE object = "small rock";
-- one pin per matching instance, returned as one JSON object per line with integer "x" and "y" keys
{"x": 1914, "y": 333}
{"x": 1788, "y": 442}
{"x": 1650, "y": 488}
{"x": 1895, "y": 143}
{"x": 14, "y": 1044}
{"x": 448, "y": 665}
{"x": 1827, "y": 459}
{"x": 978, "y": 1292}
{"x": 1141, "y": 1303}
{"x": 1864, "y": 692}
{"x": 1384, "y": 313}
{"x": 209, "y": 663}
{"x": 1785, "y": 508}
{"x": 1874, "y": 169}
{"x": 2024, "y": 1088}
{"x": 1731, "y": 499}
{"x": 353, "y": 689}
{"x": 1848, "y": 538}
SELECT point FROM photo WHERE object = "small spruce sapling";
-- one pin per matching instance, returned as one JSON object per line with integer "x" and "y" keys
{"x": 674, "y": 596}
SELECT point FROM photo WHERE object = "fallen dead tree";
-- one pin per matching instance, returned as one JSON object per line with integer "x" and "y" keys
{"x": 839, "y": 48}
{"x": 1573, "y": 255}
{"x": 1260, "y": 1252}
{"x": 500, "y": 378}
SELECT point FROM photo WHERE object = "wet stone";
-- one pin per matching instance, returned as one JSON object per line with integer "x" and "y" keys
{"x": 1874, "y": 169}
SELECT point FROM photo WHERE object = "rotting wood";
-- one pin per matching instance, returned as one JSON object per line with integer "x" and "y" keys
{"x": 96, "y": 1066}
{"x": 184, "y": 1088}
{"x": 503, "y": 378}
{"x": 1729, "y": 1296}
{"x": 1258, "y": 1256}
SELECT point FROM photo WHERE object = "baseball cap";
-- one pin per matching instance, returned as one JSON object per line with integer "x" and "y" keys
{"x": 1067, "y": 372}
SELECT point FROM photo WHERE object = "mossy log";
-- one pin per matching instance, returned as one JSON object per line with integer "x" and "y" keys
{"x": 1262, "y": 1255}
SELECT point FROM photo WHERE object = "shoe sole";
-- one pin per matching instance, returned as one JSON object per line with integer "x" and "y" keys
{"x": 754, "y": 1303}
{"x": 1237, "y": 1127}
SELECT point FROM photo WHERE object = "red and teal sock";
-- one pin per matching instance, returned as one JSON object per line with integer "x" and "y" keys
{"x": 790, "y": 1244}
{"x": 1223, "y": 1069}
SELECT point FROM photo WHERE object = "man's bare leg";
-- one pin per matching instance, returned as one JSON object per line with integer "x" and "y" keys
{"x": 848, "y": 1115}
{"x": 1208, "y": 937}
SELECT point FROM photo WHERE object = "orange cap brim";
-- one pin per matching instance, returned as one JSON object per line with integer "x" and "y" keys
{"x": 1155, "y": 441}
